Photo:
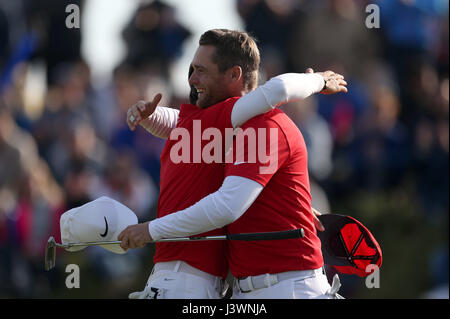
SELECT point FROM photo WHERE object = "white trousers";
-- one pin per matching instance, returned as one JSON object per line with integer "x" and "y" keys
{"x": 178, "y": 280}
{"x": 310, "y": 284}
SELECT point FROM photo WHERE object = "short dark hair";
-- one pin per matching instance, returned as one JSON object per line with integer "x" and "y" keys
{"x": 234, "y": 48}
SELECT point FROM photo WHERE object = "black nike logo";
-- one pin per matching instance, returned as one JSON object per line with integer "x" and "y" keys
{"x": 106, "y": 231}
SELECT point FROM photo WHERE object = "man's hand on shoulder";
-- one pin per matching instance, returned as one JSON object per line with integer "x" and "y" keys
{"x": 334, "y": 82}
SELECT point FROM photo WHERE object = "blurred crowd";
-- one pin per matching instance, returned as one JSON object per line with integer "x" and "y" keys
{"x": 379, "y": 153}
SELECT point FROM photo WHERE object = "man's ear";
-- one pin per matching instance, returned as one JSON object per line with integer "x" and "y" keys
{"x": 235, "y": 73}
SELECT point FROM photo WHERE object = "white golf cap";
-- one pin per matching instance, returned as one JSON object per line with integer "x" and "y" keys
{"x": 102, "y": 219}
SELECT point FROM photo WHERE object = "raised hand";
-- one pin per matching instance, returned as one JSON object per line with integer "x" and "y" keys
{"x": 334, "y": 82}
{"x": 141, "y": 110}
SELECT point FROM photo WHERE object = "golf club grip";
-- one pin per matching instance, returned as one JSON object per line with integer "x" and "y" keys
{"x": 288, "y": 234}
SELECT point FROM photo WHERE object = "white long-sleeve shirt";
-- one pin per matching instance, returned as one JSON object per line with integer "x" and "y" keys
{"x": 216, "y": 210}
{"x": 237, "y": 193}
{"x": 284, "y": 88}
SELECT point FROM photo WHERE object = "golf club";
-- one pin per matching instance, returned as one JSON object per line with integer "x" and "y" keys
{"x": 50, "y": 248}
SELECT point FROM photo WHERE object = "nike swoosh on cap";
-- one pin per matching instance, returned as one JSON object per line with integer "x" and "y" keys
{"x": 106, "y": 231}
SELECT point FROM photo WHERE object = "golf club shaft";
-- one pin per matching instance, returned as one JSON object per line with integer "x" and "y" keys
{"x": 288, "y": 234}
{"x": 115, "y": 242}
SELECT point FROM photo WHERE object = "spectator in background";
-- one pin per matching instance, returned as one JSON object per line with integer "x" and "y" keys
{"x": 271, "y": 22}
{"x": 336, "y": 31}
{"x": 11, "y": 166}
{"x": 415, "y": 35}
{"x": 56, "y": 44}
{"x": 414, "y": 31}
{"x": 39, "y": 206}
{"x": 130, "y": 85}
{"x": 15, "y": 42}
{"x": 431, "y": 159}
{"x": 379, "y": 151}
{"x": 67, "y": 105}
{"x": 154, "y": 38}
{"x": 109, "y": 101}
{"x": 126, "y": 182}
{"x": 31, "y": 202}
{"x": 11, "y": 174}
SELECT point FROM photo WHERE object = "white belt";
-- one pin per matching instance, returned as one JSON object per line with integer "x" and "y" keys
{"x": 250, "y": 283}
{"x": 181, "y": 266}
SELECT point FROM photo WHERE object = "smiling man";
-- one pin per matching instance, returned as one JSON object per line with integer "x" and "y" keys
{"x": 203, "y": 197}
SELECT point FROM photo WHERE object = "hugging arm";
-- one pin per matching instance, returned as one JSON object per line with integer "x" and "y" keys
{"x": 284, "y": 88}
{"x": 213, "y": 211}
{"x": 161, "y": 122}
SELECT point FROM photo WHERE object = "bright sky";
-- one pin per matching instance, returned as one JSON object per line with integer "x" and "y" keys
{"x": 103, "y": 20}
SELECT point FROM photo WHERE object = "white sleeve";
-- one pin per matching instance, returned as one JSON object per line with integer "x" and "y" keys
{"x": 216, "y": 210}
{"x": 284, "y": 88}
{"x": 161, "y": 122}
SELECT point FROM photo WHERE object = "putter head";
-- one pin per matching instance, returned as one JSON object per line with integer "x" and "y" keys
{"x": 50, "y": 254}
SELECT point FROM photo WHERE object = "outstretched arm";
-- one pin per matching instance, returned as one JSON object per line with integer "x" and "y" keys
{"x": 161, "y": 122}
{"x": 214, "y": 211}
{"x": 158, "y": 120}
{"x": 285, "y": 88}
